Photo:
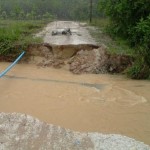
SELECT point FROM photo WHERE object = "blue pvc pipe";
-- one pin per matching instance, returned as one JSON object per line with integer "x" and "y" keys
{"x": 13, "y": 64}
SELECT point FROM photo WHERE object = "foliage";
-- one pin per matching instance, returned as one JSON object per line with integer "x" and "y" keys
{"x": 140, "y": 38}
{"x": 139, "y": 71}
{"x": 43, "y": 9}
{"x": 115, "y": 45}
{"x": 130, "y": 19}
{"x": 16, "y": 35}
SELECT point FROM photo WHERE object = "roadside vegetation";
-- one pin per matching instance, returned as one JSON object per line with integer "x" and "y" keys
{"x": 115, "y": 45}
{"x": 16, "y": 35}
{"x": 129, "y": 24}
{"x": 38, "y": 9}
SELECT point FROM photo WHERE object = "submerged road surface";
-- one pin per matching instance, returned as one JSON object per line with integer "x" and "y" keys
{"x": 93, "y": 103}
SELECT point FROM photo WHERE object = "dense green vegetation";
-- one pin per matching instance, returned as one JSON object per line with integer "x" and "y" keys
{"x": 130, "y": 20}
{"x": 38, "y": 9}
{"x": 115, "y": 45}
{"x": 15, "y": 36}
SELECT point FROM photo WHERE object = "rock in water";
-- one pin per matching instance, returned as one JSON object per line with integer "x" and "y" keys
{"x": 94, "y": 61}
{"x": 23, "y": 132}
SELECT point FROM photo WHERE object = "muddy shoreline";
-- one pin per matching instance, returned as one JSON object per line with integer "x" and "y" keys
{"x": 81, "y": 58}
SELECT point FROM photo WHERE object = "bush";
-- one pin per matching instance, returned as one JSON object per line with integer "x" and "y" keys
{"x": 7, "y": 38}
{"x": 130, "y": 19}
{"x": 15, "y": 36}
{"x": 139, "y": 71}
{"x": 140, "y": 38}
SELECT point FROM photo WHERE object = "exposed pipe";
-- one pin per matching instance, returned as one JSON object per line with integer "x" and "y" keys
{"x": 12, "y": 65}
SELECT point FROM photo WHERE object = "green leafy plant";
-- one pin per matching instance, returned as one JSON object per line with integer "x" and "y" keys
{"x": 15, "y": 36}
{"x": 139, "y": 71}
{"x": 130, "y": 19}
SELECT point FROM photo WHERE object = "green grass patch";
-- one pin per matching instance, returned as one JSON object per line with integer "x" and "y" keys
{"x": 101, "y": 23}
{"x": 15, "y": 36}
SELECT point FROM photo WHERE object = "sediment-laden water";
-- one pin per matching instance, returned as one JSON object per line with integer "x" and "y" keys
{"x": 88, "y": 102}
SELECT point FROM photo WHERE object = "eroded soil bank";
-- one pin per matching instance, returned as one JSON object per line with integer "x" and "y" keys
{"x": 84, "y": 58}
{"x": 87, "y": 102}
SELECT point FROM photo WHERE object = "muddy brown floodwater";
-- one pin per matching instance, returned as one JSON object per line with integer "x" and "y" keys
{"x": 93, "y": 103}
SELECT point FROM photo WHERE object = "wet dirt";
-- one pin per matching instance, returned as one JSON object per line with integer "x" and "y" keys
{"x": 79, "y": 51}
{"x": 78, "y": 59}
{"x": 88, "y": 102}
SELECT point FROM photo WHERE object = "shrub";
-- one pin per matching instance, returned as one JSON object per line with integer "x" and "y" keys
{"x": 139, "y": 71}
{"x": 130, "y": 19}
{"x": 15, "y": 36}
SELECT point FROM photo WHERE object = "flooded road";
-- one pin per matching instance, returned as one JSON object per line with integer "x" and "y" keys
{"x": 93, "y": 103}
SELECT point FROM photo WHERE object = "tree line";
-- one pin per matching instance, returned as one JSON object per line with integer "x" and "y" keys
{"x": 38, "y": 9}
{"x": 130, "y": 20}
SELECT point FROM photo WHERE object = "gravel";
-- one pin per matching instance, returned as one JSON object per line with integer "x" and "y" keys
{"x": 23, "y": 132}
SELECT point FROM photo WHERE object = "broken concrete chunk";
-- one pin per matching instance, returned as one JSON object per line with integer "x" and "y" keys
{"x": 23, "y": 132}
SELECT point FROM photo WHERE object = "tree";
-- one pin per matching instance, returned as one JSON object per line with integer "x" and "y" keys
{"x": 63, "y": 9}
{"x": 22, "y": 15}
{"x": 12, "y": 15}
{"x": 17, "y": 11}
{"x": 4, "y": 15}
{"x": 130, "y": 19}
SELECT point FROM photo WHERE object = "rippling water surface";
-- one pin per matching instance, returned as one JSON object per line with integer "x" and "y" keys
{"x": 95, "y": 103}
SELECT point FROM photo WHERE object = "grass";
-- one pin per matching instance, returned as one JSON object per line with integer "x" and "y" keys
{"x": 101, "y": 35}
{"x": 17, "y": 35}
{"x": 117, "y": 45}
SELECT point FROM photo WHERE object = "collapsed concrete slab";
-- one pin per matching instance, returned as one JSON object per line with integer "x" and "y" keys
{"x": 23, "y": 132}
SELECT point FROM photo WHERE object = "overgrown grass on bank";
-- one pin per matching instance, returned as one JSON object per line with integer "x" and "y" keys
{"x": 15, "y": 36}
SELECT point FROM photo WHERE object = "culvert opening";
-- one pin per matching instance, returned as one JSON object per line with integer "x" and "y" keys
{"x": 81, "y": 58}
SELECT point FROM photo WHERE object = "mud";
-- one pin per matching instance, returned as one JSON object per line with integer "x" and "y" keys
{"x": 98, "y": 61}
{"x": 87, "y": 102}
{"x": 78, "y": 52}
{"x": 78, "y": 58}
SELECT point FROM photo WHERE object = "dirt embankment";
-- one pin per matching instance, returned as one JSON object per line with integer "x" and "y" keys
{"x": 84, "y": 58}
